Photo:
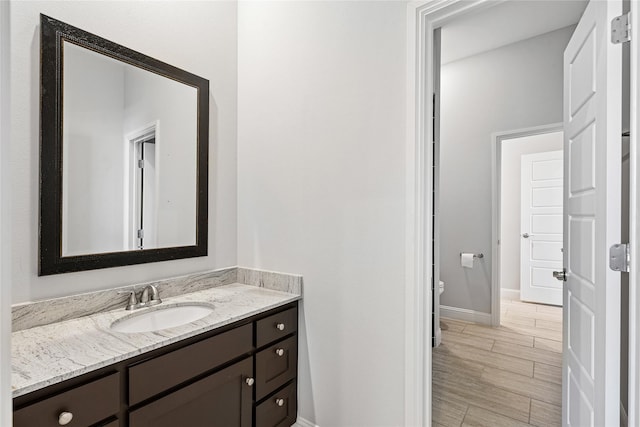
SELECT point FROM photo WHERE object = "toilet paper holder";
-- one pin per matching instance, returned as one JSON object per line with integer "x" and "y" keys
{"x": 480, "y": 255}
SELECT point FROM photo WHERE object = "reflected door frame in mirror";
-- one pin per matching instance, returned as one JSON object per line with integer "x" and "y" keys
{"x": 51, "y": 260}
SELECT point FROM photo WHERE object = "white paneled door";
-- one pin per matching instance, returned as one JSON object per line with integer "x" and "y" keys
{"x": 541, "y": 227}
{"x": 592, "y": 171}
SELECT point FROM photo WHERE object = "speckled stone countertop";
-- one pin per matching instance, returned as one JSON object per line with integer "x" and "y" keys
{"x": 48, "y": 354}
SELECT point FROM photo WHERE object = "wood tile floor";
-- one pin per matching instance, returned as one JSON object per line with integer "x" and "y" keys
{"x": 506, "y": 376}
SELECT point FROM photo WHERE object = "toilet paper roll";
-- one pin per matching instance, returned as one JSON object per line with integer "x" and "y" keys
{"x": 466, "y": 260}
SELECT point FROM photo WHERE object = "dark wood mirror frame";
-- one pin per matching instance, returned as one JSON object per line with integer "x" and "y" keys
{"x": 51, "y": 261}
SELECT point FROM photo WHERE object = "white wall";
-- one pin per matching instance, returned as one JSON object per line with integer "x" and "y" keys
{"x": 93, "y": 169}
{"x": 197, "y": 36}
{"x": 321, "y": 191}
{"x": 150, "y": 98}
{"x": 510, "y": 199}
{"x": 513, "y": 87}
{"x": 5, "y": 222}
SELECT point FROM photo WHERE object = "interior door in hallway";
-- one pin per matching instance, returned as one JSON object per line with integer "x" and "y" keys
{"x": 541, "y": 227}
{"x": 592, "y": 113}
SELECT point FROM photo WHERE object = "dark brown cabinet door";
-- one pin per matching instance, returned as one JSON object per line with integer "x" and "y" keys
{"x": 222, "y": 399}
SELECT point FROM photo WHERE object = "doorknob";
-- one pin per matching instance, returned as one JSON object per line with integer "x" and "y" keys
{"x": 561, "y": 275}
{"x": 525, "y": 235}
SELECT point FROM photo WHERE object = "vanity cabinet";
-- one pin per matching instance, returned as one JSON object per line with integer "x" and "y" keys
{"x": 153, "y": 376}
{"x": 223, "y": 398}
{"x": 243, "y": 374}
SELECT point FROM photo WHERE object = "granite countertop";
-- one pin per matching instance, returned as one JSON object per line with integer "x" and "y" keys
{"x": 48, "y": 354}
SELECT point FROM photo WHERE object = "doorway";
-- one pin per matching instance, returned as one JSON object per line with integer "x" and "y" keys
{"x": 512, "y": 373}
{"x": 142, "y": 188}
{"x": 527, "y": 202}
{"x": 427, "y": 16}
{"x": 591, "y": 293}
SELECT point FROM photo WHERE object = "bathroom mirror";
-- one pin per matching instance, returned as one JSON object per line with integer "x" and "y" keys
{"x": 123, "y": 155}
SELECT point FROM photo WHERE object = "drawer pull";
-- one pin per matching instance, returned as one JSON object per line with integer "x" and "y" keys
{"x": 280, "y": 326}
{"x": 280, "y": 352}
{"x": 65, "y": 418}
{"x": 250, "y": 381}
{"x": 280, "y": 402}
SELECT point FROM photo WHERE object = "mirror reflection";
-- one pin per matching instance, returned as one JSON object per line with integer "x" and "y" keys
{"x": 129, "y": 150}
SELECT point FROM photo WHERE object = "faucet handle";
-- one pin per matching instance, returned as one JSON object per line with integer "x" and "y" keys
{"x": 152, "y": 299}
{"x": 133, "y": 300}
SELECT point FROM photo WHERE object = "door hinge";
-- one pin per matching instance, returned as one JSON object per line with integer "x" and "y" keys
{"x": 621, "y": 29}
{"x": 140, "y": 234}
{"x": 619, "y": 257}
{"x": 141, "y": 164}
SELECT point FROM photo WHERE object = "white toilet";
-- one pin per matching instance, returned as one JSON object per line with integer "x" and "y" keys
{"x": 441, "y": 287}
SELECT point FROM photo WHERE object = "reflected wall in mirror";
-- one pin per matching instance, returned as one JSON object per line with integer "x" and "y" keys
{"x": 129, "y": 144}
{"x": 124, "y": 148}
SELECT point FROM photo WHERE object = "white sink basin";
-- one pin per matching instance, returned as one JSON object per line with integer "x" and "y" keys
{"x": 158, "y": 318}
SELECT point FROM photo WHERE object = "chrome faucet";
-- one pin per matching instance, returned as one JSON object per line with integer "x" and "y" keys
{"x": 146, "y": 300}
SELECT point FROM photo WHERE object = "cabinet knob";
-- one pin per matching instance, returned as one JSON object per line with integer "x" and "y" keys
{"x": 65, "y": 418}
{"x": 280, "y": 352}
{"x": 280, "y": 402}
{"x": 280, "y": 326}
{"x": 250, "y": 381}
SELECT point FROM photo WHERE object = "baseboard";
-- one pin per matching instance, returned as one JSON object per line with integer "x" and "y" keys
{"x": 465, "y": 314}
{"x": 301, "y": 422}
{"x": 624, "y": 420}
{"x": 512, "y": 294}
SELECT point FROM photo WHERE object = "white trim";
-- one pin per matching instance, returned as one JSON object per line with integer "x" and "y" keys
{"x": 496, "y": 155}
{"x": 417, "y": 360}
{"x": 496, "y": 167}
{"x": 422, "y": 17}
{"x": 5, "y": 219}
{"x": 301, "y": 422}
{"x": 633, "y": 404}
{"x": 465, "y": 315}
{"x": 435, "y": 149}
{"x": 511, "y": 294}
{"x": 130, "y": 165}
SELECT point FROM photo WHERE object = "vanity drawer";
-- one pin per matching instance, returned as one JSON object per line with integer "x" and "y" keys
{"x": 80, "y": 401}
{"x": 276, "y": 365}
{"x": 270, "y": 414}
{"x": 154, "y": 376}
{"x": 276, "y": 326}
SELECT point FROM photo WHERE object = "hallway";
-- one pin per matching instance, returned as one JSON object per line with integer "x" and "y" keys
{"x": 505, "y": 376}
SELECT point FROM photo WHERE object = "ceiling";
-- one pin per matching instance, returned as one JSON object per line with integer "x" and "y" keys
{"x": 505, "y": 23}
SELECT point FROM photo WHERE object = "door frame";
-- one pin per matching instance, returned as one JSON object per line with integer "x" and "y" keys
{"x": 131, "y": 139}
{"x": 497, "y": 139}
{"x": 633, "y": 409}
{"x": 422, "y": 18}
